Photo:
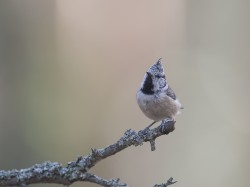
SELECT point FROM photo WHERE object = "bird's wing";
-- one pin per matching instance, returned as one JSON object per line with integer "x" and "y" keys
{"x": 170, "y": 93}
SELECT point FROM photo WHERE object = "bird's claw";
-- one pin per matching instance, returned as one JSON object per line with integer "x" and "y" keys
{"x": 167, "y": 126}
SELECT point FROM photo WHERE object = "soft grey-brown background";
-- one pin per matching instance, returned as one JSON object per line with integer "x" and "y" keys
{"x": 69, "y": 71}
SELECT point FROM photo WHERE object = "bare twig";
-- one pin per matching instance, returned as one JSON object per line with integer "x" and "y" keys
{"x": 103, "y": 182}
{"x": 169, "y": 182}
{"x": 53, "y": 172}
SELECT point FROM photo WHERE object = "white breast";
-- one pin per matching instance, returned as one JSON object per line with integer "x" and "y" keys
{"x": 158, "y": 107}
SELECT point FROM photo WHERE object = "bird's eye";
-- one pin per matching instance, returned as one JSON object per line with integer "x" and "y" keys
{"x": 160, "y": 76}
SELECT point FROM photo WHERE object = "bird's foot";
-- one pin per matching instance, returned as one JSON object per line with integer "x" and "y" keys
{"x": 167, "y": 125}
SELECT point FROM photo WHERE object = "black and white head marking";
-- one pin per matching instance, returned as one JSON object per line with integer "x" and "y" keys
{"x": 154, "y": 80}
{"x": 147, "y": 85}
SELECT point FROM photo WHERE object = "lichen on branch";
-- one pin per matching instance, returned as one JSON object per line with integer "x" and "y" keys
{"x": 53, "y": 172}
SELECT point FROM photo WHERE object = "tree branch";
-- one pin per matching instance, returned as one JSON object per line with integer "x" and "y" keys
{"x": 53, "y": 172}
{"x": 169, "y": 182}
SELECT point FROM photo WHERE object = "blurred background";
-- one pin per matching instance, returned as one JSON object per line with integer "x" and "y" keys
{"x": 69, "y": 72}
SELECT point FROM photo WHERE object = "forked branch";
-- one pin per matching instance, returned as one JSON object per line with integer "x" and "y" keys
{"x": 53, "y": 172}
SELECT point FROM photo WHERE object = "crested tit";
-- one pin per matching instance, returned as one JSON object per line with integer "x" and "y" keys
{"x": 155, "y": 97}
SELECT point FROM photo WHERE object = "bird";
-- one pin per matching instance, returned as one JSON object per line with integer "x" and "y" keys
{"x": 155, "y": 97}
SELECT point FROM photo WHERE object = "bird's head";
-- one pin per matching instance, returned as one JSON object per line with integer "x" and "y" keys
{"x": 154, "y": 79}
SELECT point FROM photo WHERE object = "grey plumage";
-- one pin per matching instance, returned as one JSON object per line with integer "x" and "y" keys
{"x": 170, "y": 93}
